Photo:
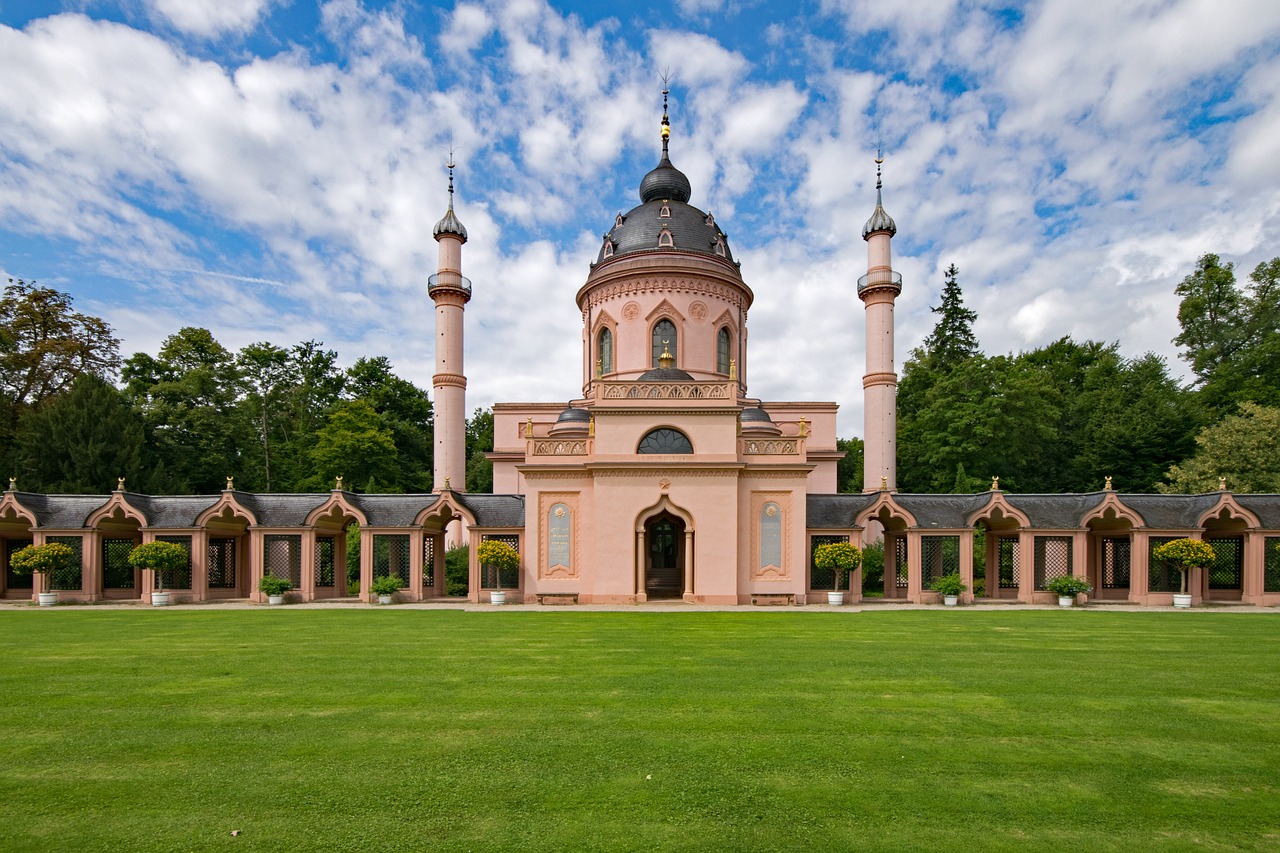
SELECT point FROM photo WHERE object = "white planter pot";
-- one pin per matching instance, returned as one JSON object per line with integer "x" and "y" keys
{"x": 950, "y": 600}
{"x": 835, "y": 599}
{"x": 384, "y": 599}
{"x": 497, "y": 596}
{"x": 159, "y": 599}
{"x": 1066, "y": 600}
{"x": 275, "y": 599}
{"x": 1182, "y": 599}
{"x": 48, "y": 599}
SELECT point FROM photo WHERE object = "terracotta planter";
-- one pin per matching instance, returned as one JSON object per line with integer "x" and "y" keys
{"x": 835, "y": 599}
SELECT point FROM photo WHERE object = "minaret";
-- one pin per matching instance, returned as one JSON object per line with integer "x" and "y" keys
{"x": 450, "y": 290}
{"x": 878, "y": 289}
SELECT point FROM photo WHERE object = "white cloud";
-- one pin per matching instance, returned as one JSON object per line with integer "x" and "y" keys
{"x": 209, "y": 18}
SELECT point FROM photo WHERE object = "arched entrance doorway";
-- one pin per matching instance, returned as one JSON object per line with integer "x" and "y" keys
{"x": 664, "y": 556}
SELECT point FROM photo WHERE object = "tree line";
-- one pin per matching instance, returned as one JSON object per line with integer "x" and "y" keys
{"x": 1063, "y": 417}
{"x": 75, "y": 416}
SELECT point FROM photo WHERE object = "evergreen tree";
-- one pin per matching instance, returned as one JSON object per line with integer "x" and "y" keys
{"x": 952, "y": 340}
{"x": 479, "y": 440}
{"x": 405, "y": 411}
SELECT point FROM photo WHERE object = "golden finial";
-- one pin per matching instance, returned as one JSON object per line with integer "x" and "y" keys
{"x": 666, "y": 122}
{"x": 599, "y": 367}
{"x": 666, "y": 360}
{"x": 447, "y": 486}
{"x": 591, "y": 427}
{"x": 1108, "y": 485}
{"x": 119, "y": 484}
{"x": 337, "y": 483}
{"x": 733, "y": 370}
{"x": 230, "y": 483}
{"x": 528, "y": 428}
{"x": 804, "y": 427}
{"x": 884, "y": 484}
{"x": 13, "y": 484}
{"x": 995, "y": 484}
{"x": 1222, "y": 484}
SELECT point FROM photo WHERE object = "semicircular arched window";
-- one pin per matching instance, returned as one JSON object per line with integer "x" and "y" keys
{"x": 665, "y": 440}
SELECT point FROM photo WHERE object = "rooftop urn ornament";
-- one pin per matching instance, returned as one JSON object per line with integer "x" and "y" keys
{"x": 1108, "y": 485}
{"x": 733, "y": 370}
{"x": 995, "y": 484}
{"x": 528, "y": 428}
{"x": 666, "y": 360}
{"x": 119, "y": 484}
{"x": 591, "y": 427}
{"x": 448, "y": 487}
{"x": 884, "y": 484}
{"x": 230, "y": 484}
{"x": 1222, "y": 484}
{"x": 804, "y": 427}
{"x": 337, "y": 483}
{"x": 13, "y": 484}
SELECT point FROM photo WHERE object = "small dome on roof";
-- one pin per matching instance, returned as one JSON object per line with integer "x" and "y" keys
{"x": 756, "y": 414}
{"x": 572, "y": 415}
{"x": 665, "y": 374}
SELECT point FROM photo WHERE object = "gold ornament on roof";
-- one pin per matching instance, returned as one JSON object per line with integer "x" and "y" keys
{"x": 447, "y": 486}
{"x": 666, "y": 360}
{"x": 591, "y": 427}
{"x": 804, "y": 427}
{"x": 1108, "y": 486}
{"x": 733, "y": 369}
{"x": 337, "y": 483}
{"x": 884, "y": 484}
{"x": 230, "y": 483}
{"x": 995, "y": 484}
{"x": 528, "y": 428}
{"x": 1222, "y": 484}
{"x": 13, "y": 484}
{"x": 119, "y": 484}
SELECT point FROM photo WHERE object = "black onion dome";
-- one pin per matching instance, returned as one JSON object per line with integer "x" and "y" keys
{"x": 665, "y": 374}
{"x": 641, "y": 230}
{"x": 755, "y": 415}
{"x": 665, "y": 183}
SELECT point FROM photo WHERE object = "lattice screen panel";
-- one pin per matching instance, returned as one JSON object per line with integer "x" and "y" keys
{"x": 900, "y": 567}
{"x": 282, "y": 557}
{"x": 391, "y": 556}
{"x": 1271, "y": 564}
{"x": 822, "y": 578}
{"x": 13, "y": 580}
{"x": 222, "y": 563}
{"x": 511, "y": 577}
{"x": 1009, "y": 572}
{"x": 326, "y": 561}
{"x": 1227, "y": 570}
{"x": 428, "y": 562}
{"x": 939, "y": 555}
{"x": 1161, "y": 578}
{"x": 116, "y": 571}
{"x": 72, "y": 578}
{"x": 1052, "y": 558}
{"x": 178, "y": 578}
{"x": 1116, "y": 551}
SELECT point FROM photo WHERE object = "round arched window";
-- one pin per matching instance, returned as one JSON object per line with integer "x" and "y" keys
{"x": 665, "y": 440}
{"x": 664, "y": 338}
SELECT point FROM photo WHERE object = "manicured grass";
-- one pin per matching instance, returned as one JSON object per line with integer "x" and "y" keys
{"x": 387, "y": 729}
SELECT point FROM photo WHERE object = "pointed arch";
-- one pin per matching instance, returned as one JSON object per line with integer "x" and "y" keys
{"x": 116, "y": 507}
{"x": 1114, "y": 511}
{"x": 337, "y": 505}
{"x": 885, "y": 508}
{"x": 443, "y": 511}
{"x": 226, "y": 507}
{"x": 664, "y": 504}
{"x": 999, "y": 510}
{"x": 12, "y": 511}
{"x": 1226, "y": 508}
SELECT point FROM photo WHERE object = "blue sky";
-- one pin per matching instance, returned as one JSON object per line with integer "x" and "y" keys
{"x": 271, "y": 170}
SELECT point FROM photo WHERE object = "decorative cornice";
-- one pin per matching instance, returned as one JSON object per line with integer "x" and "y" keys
{"x": 456, "y": 380}
{"x": 871, "y": 379}
{"x": 613, "y": 390}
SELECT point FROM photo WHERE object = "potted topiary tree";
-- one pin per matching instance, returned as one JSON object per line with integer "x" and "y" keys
{"x": 1068, "y": 587}
{"x": 950, "y": 586}
{"x": 160, "y": 557}
{"x": 497, "y": 557}
{"x": 1184, "y": 555}
{"x": 274, "y": 587}
{"x": 44, "y": 560}
{"x": 385, "y": 587}
{"x": 841, "y": 559}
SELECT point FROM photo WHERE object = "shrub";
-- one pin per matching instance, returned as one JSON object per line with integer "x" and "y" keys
{"x": 949, "y": 584}
{"x": 42, "y": 559}
{"x": 840, "y": 557}
{"x": 499, "y": 556}
{"x": 873, "y": 568}
{"x": 386, "y": 585}
{"x": 1069, "y": 585}
{"x": 272, "y": 585}
{"x": 160, "y": 557}
{"x": 1185, "y": 555}
{"x": 457, "y": 570}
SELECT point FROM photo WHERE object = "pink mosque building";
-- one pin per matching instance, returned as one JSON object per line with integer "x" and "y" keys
{"x": 665, "y": 480}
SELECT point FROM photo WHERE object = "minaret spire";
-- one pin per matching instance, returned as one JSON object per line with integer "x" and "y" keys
{"x": 666, "y": 121}
{"x": 878, "y": 289}
{"x": 450, "y": 290}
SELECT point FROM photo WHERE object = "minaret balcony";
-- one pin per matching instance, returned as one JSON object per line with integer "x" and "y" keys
{"x": 448, "y": 281}
{"x": 880, "y": 278}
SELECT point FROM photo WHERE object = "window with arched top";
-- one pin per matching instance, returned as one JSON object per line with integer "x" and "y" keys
{"x": 664, "y": 336}
{"x": 664, "y": 440}
{"x": 604, "y": 351}
{"x": 722, "y": 350}
{"x": 664, "y": 239}
{"x": 664, "y": 212}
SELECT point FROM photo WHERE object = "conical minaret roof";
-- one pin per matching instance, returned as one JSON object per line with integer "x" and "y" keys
{"x": 450, "y": 224}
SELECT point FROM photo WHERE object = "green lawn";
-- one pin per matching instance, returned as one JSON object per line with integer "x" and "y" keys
{"x": 389, "y": 729}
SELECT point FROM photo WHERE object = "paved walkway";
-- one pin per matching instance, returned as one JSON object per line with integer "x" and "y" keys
{"x": 648, "y": 607}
